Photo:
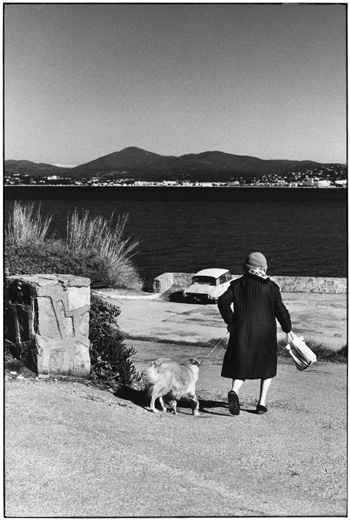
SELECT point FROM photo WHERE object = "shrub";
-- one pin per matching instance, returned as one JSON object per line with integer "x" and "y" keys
{"x": 110, "y": 358}
{"x": 52, "y": 257}
{"x": 94, "y": 248}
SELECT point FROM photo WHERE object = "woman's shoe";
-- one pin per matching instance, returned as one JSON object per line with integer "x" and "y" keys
{"x": 233, "y": 403}
{"x": 261, "y": 409}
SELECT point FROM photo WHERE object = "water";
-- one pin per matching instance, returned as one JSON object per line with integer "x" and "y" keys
{"x": 302, "y": 232}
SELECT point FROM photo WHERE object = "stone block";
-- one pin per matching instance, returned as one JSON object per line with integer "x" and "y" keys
{"x": 81, "y": 363}
{"x": 48, "y": 320}
{"x": 67, "y": 323}
{"x": 163, "y": 282}
{"x": 84, "y": 324}
{"x": 78, "y": 297}
{"x": 297, "y": 284}
{"x": 56, "y": 360}
{"x": 183, "y": 279}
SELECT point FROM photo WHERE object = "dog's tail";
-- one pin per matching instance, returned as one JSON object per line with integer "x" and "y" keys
{"x": 151, "y": 374}
{"x": 154, "y": 372}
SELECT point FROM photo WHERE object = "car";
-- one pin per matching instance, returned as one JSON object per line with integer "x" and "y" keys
{"x": 208, "y": 285}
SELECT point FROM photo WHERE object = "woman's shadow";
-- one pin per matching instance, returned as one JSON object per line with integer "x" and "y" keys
{"x": 209, "y": 406}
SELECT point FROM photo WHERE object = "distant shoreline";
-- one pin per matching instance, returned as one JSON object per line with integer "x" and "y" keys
{"x": 175, "y": 193}
{"x": 85, "y": 186}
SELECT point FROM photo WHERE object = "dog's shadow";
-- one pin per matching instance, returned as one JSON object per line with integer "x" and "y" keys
{"x": 134, "y": 395}
{"x": 139, "y": 398}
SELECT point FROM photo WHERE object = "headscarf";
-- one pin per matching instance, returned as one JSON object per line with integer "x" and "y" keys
{"x": 256, "y": 263}
{"x": 258, "y": 271}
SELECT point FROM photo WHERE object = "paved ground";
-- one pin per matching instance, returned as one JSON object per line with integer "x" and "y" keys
{"x": 321, "y": 318}
{"x": 75, "y": 451}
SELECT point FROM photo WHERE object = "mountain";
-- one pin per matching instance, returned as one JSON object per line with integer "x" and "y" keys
{"x": 211, "y": 166}
{"x": 140, "y": 164}
{"x": 32, "y": 169}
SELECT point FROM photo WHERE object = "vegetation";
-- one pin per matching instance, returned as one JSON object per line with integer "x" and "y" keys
{"x": 94, "y": 248}
{"x": 110, "y": 358}
{"x": 25, "y": 226}
{"x": 322, "y": 352}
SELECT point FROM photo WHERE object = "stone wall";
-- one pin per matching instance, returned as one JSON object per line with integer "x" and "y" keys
{"x": 47, "y": 323}
{"x": 178, "y": 281}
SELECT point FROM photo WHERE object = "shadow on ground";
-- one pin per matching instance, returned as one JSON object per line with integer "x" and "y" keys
{"x": 177, "y": 297}
{"x": 140, "y": 398}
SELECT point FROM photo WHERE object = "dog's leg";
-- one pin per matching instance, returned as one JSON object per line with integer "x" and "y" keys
{"x": 157, "y": 392}
{"x": 172, "y": 406}
{"x": 152, "y": 403}
{"x": 194, "y": 404}
{"x": 161, "y": 402}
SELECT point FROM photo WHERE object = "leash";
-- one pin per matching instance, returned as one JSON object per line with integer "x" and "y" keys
{"x": 212, "y": 350}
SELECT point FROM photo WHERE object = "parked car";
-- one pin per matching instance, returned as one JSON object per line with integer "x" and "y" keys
{"x": 207, "y": 285}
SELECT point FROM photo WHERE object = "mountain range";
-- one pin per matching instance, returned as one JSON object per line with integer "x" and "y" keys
{"x": 138, "y": 164}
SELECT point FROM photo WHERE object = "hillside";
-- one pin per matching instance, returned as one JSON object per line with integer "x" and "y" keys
{"x": 32, "y": 169}
{"x": 140, "y": 164}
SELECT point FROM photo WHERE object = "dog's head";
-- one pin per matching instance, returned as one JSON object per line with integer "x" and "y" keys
{"x": 193, "y": 361}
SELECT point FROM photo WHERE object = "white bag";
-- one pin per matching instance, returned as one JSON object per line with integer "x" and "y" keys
{"x": 302, "y": 355}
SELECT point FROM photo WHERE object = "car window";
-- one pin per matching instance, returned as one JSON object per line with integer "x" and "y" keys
{"x": 222, "y": 279}
{"x": 228, "y": 276}
{"x": 207, "y": 280}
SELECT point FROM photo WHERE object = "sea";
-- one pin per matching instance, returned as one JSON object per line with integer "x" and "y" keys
{"x": 301, "y": 231}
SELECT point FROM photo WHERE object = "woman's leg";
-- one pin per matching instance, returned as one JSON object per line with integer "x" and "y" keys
{"x": 264, "y": 386}
{"x": 233, "y": 401}
{"x": 236, "y": 385}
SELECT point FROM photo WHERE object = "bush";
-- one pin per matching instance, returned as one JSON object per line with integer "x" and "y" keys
{"x": 52, "y": 257}
{"x": 94, "y": 248}
{"x": 110, "y": 358}
{"x": 95, "y": 233}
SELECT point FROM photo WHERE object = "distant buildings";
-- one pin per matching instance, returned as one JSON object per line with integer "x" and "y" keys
{"x": 331, "y": 176}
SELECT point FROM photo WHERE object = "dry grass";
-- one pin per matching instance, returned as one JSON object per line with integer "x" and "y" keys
{"x": 100, "y": 235}
{"x": 95, "y": 247}
{"x": 26, "y": 226}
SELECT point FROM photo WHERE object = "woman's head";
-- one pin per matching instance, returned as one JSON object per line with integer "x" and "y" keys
{"x": 255, "y": 260}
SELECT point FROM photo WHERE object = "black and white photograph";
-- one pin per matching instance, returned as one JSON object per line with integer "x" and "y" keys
{"x": 175, "y": 259}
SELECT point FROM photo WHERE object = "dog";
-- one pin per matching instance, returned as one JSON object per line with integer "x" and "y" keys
{"x": 172, "y": 380}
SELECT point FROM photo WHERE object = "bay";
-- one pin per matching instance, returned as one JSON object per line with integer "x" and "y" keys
{"x": 302, "y": 232}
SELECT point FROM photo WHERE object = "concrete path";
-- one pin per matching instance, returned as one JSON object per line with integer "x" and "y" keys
{"x": 321, "y": 318}
{"x": 76, "y": 451}
{"x": 72, "y": 450}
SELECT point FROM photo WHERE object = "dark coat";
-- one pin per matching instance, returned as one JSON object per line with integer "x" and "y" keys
{"x": 252, "y": 348}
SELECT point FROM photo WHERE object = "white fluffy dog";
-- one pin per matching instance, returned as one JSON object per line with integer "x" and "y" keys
{"x": 172, "y": 380}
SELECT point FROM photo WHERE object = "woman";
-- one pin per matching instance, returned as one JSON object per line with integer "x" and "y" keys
{"x": 252, "y": 348}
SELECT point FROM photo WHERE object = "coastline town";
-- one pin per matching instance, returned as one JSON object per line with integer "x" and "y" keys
{"x": 330, "y": 176}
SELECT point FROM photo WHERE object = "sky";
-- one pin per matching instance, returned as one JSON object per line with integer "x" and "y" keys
{"x": 85, "y": 80}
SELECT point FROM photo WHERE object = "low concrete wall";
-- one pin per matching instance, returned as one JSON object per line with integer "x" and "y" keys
{"x": 302, "y": 284}
{"x": 47, "y": 321}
